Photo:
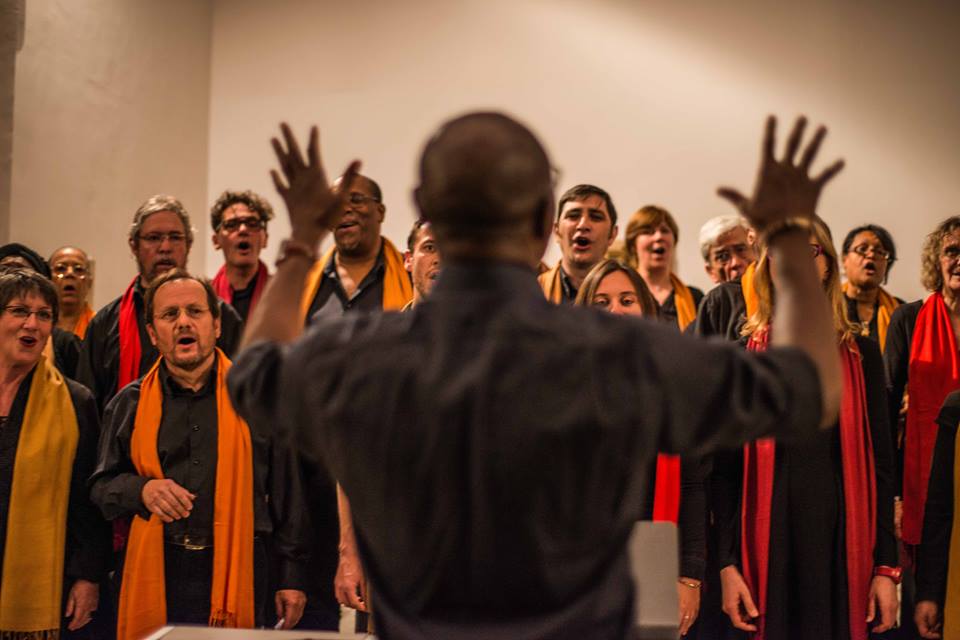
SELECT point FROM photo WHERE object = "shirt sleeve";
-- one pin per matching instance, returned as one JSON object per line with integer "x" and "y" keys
{"x": 719, "y": 396}
{"x": 692, "y": 519}
{"x": 896, "y": 362}
{"x": 288, "y": 510}
{"x": 115, "y": 485}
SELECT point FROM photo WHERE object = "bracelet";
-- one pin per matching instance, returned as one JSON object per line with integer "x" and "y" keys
{"x": 786, "y": 225}
{"x": 291, "y": 248}
{"x": 689, "y": 583}
{"x": 894, "y": 573}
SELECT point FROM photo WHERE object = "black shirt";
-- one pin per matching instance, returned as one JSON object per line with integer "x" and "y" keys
{"x": 495, "y": 446}
{"x": 187, "y": 447}
{"x": 88, "y": 534}
{"x": 331, "y": 300}
{"x": 100, "y": 356}
{"x": 668, "y": 310}
{"x": 868, "y": 329}
{"x": 933, "y": 554}
{"x": 243, "y": 297}
{"x": 722, "y": 312}
{"x": 896, "y": 362}
{"x": 66, "y": 351}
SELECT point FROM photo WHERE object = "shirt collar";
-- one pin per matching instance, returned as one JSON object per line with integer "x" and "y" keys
{"x": 172, "y": 388}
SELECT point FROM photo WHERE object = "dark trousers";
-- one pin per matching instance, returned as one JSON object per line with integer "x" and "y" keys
{"x": 188, "y": 578}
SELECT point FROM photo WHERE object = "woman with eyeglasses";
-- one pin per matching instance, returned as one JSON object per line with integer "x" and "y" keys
{"x": 805, "y": 528}
{"x": 923, "y": 368}
{"x": 676, "y": 487}
{"x": 868, "y": 255}
{"x": 54, "y": 545}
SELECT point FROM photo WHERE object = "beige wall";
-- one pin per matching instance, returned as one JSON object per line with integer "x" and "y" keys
{"x": 111, "y": 106}
{"x": 11, "y": 35}
{"x": 658, "y": 102}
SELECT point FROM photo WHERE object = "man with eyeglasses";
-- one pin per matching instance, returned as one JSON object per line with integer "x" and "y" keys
{"x": 73, "y": 278}
{"x": 868, "y": 255}
{"x": 63, "y": 347}
{"x": 365, "y": 272}
{"x": 117, "y": 349}
{"x": 239, "y": 220}
{"x": 207, "y": 493}
{"x": 727, "y": 244}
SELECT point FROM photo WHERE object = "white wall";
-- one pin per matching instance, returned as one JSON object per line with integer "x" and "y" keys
{"x": 111, "y": 106}
{"x": 658, "y": 102}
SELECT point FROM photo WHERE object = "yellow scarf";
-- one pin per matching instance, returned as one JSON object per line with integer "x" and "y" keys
{"x": 30, "y": 591}
{"x": 143, "y": 606}
{"x": 886, "y": 304}
{"x": 951, "y": 606}
{"x": 750, "y": 298}
{"x": 683, "y": 300}
{"x": 397, "y": 289}
{"x": 552, "y": 286}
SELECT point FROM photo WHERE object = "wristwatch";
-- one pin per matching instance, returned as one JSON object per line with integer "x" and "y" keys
{"x": 894, "y": 573}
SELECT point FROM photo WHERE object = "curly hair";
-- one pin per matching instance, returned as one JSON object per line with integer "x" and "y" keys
{"x": 253, "y": 201}
{"x": 930, "y": 274}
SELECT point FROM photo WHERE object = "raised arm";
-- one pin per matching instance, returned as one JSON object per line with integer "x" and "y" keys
{"x": 783, "y": 204}
{"x": 314, "y": 207}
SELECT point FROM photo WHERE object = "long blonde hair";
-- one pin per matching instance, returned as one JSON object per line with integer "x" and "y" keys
{"x": 760, "y": 320}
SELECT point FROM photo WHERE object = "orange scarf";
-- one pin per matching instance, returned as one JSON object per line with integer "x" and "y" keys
{"x": 397, "y": 289}
{"x": 143, "y": 606}
{"x": 751, "y": 299}
{"x": 83, "y": 321}
{"x": 683, "y": 300}
{"x": 552, "y": 286}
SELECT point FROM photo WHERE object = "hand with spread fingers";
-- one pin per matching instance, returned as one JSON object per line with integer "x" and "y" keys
{"x": 314, "y": 207}
{"x": 784, "y": 188}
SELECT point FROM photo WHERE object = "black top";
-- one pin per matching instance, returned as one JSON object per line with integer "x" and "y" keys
{"x": 100, "y": 356}
{"x": 66, "y": 351}
{"x": 568, "y": 292}
{"x": 331, "y": 300}
{"x": 869, "y": 329}
{"x": 896, "y": 362}
{"x": 722, "y": 312}
{"x": 933, "y": 554}
{"x": 668, "y": 310}
{"x": 496, "y": 447}
{"x": 243, "y": 297}
{"x": 187, "y": 447}
{"x": 88, "y": 534}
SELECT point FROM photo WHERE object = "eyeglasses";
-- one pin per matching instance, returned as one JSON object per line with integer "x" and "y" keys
{"x": 816, "y": 250}
{"x": 252, "y": 222}
{"x": 360, "y": 198}
{"x": 60, "y": 270}
{"x": 171, "y": 314}
{"x": 175, "y": 237}
{"x": 864, "y": 250}
{"x": 22, "y": 313}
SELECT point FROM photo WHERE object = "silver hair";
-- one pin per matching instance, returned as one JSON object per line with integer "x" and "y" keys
{"x": 713, "y": 228}
{"x": 156, "y": 204}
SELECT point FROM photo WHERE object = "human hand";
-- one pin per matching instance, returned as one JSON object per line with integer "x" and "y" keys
{"x": 783, "y": 188}
{"x": 737, "y": 601}
{"x": 883, "y": 599}
{"x": 82, "y": 601}
{"x": 168, "y": 500}
{"x": 349, "y": 584}
{"x": 289, "y": 606}
{"x": 313, "y": 206}
{"x": 927, "y": 617}
{"x": 689, "y": 599}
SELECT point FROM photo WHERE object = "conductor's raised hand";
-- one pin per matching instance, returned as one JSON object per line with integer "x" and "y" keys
{"x": 313, "y": 205}
{"x": 784, "y": 187}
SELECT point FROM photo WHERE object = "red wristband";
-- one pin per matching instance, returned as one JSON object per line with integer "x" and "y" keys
{"x": 894, "y": 573}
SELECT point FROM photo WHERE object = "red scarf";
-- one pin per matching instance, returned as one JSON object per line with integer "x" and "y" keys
{"x": 859, "y": 490}
{"x": 666, "y": 489}
{"x": 934, "y": 371}
{"x": 225, "y": 292}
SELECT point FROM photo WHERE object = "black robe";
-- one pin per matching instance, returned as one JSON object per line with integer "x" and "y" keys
{"x": 807, "y": 581}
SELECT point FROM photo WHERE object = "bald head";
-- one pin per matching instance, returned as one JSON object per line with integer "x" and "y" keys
{"x": 484, "y": 175}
